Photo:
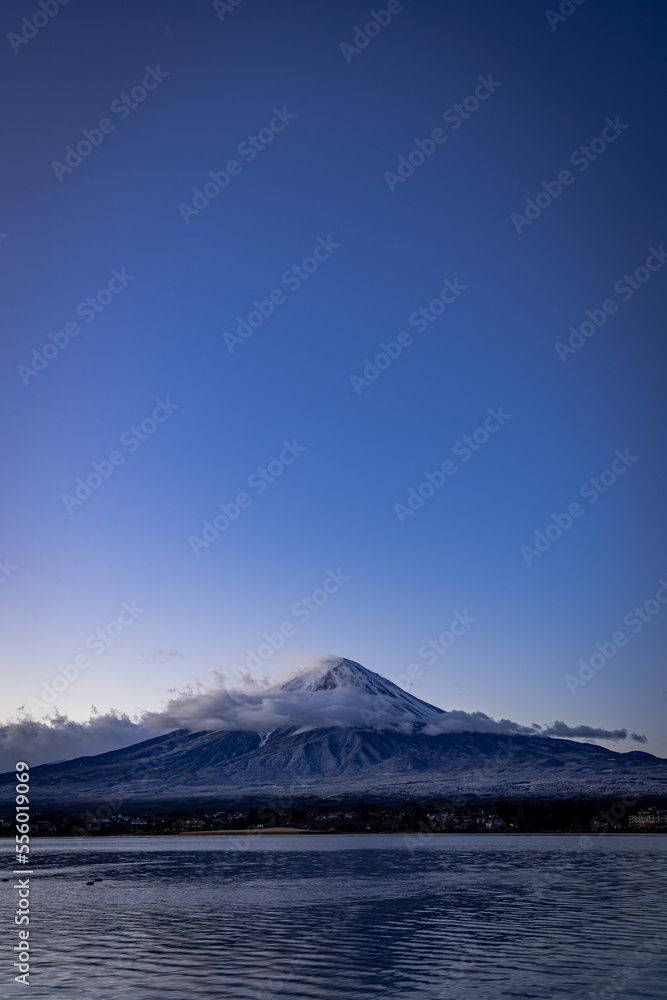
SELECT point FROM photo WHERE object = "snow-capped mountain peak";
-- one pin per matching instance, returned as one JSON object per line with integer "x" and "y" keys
{"x": 345, "y": 676}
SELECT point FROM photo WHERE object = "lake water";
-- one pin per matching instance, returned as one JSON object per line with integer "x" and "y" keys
{"x": 343, "y": 918}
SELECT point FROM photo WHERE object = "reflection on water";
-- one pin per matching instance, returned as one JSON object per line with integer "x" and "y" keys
{"x": 346, "y": 918}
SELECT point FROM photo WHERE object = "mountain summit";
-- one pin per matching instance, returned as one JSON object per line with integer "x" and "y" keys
{"x": 347, "y": 676}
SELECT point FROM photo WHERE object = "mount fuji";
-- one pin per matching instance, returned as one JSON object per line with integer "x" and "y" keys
{"x": 338, "y": 732}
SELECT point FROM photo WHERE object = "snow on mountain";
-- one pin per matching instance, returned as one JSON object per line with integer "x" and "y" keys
{"x": 338, "y": 764}
{"x": 342, "y": 675}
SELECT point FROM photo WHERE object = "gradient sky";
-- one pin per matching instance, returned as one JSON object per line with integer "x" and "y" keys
{"x": 333, "y": 508}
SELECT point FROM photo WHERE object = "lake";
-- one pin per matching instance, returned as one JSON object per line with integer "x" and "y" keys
{"x": 343, "y": 917}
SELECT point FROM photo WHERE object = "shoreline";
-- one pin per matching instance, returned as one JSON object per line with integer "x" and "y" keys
{"x": 295, "y": 831}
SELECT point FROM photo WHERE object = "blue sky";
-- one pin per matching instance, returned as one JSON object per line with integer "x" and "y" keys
{"x": 338, "y": 123}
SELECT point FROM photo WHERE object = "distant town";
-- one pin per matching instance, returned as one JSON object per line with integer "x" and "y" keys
{"x": 504, "y": 816}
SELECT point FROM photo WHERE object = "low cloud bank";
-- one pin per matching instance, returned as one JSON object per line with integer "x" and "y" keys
{"x": 590, "y": 732}
{"x": 478, "y": 722}
{"x": 60, "y": 738}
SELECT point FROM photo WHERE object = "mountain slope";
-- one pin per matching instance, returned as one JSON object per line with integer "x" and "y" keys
{"x": 340, "y": 764}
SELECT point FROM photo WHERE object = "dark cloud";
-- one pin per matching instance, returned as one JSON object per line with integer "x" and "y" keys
{"x": 564, "y": 731}
{"x": 478, "y": 722}
{"x": 59, "y": 738}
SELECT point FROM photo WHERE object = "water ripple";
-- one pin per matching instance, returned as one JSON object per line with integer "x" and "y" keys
{"x": 349, "y": 918}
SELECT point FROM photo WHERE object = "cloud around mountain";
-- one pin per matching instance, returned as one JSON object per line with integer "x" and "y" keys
{"x": 339, "y": 692}
{"x": 334, "y": 693}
